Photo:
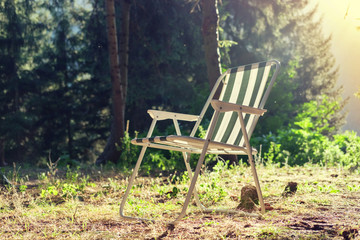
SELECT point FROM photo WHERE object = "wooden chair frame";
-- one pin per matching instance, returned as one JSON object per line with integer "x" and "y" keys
{"x": 190, "y": 144}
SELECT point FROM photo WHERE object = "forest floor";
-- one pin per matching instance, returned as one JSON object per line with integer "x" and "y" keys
{"x": 84, "y": 204}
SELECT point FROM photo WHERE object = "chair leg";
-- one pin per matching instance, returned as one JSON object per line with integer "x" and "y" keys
{"x": 194, "y": 179}
{"x": 133, "y": 176}
{"x": 251, "y": 160}
{"x": 257, "y": 184}
{"x": 192, "y": 189}
{"x": 186, "y": 157}
{"x": 131, "y": 182}
{"x": 188, "y": 168}
{"x": 197, "y": 170}
{"x": 192, "y": 185}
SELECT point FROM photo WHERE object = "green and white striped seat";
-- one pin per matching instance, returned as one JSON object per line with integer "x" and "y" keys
{"x": 244, "y": 91}
{"x": 244, "y": 85}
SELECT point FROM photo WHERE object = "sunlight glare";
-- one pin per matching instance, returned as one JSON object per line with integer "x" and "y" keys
{"x": 353, "y": 12}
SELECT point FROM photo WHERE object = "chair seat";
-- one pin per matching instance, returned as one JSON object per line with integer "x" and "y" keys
{"x": 190, "y": 144}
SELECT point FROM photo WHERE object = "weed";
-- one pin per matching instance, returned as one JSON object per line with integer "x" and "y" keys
{"x": 210, "y": 223}
{"x": 173, "y": 193}
{"x": 22, "y": 188}
{"x": 42, "y": 176}
{"x": 353, "y": 188}
{"x": 49, "y": 192}
{"x": 113, "y": 185}
{"x": 71, "y": 175}
{"x": 328, "y": 189}
{"x": 52, "y": 167}
{"x": 69, "y": 190}
{"x": 15, "y": 174}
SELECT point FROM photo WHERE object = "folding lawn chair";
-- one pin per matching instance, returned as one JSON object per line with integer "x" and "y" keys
{"x": 244, "y": 91}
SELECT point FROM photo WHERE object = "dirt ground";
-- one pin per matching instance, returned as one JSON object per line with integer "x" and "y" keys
{"x": 326, "y": 205}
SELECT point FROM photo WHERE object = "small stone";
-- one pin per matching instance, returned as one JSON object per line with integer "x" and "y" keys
{"x": 290, "y": 189}
{"x": 249, "y": 198}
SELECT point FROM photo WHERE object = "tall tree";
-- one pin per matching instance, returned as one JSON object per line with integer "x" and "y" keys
{"x": 58, "y": 70}
{"x": 167, "y": 61}
{"x": 118, "y": 73}
{"x": 288, "y": 31}
{"x": 210, "y": 33}
{"x": 17, "y": 44}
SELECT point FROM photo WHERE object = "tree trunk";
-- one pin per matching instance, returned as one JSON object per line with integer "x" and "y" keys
{"x": 210, "y": 33}
{"x": 118, "y": 73}
{"x": 124, "y": 43}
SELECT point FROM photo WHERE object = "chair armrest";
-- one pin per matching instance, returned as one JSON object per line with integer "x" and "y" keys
{"x": 163, "y": 115}
{"x": 227, "y": 107}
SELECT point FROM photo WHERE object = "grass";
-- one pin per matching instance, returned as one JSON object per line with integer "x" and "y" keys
{"x": 83, "y": 203}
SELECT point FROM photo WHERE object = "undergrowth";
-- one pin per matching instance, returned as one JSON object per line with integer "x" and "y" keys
{"x": 83, "y": 202}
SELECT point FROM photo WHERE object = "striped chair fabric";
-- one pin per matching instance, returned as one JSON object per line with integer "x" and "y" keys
{"x": 244, "y": 85}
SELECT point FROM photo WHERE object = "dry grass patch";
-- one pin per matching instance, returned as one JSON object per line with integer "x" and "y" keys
{"x": 84, "y": 204}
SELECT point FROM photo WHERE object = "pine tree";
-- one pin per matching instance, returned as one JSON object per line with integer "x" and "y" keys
{"x": 167, "y": 69}
{"x": 18, "y": 35}
{"x": 70, "y": 73}
{"x": 284, "y": 30}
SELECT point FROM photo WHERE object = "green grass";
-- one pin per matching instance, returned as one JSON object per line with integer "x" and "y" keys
{"x": 83, "y": 203}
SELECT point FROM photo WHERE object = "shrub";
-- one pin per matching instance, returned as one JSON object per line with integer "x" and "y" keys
{"x": 308, "y": 139}
{"x": 349, "y": 143}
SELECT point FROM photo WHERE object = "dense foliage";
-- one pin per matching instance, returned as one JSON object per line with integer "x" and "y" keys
{"x": 306, "y": 140}
{"x": 55, "y": 84}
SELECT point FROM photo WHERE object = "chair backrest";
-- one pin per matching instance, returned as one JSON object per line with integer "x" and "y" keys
{"x": 248, "y": 85}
